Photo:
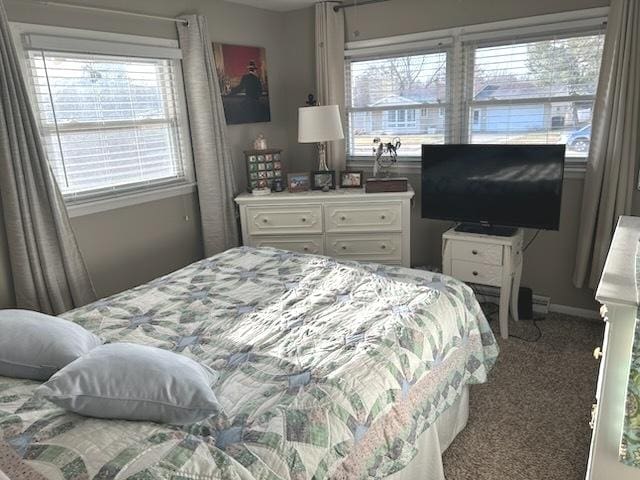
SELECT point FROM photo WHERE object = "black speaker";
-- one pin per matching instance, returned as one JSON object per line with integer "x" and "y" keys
{"x": 525, "y": 303}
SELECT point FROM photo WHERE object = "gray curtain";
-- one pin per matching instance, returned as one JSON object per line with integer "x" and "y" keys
{"x": 211, "y": 152}
{"x": 49, "y": 274}
{"x": 615, "y": 142}
{"x": 330, "y": 71}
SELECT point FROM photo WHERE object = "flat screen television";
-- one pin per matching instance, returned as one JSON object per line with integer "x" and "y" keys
{"x": 493, "y": 185}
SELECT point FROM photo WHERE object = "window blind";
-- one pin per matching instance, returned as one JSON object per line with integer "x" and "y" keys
{"x": 495, "y": 84}
{"x": 531, "y": 92}
{"x": 109, "y": 123}
{"x": 405, "y": 96}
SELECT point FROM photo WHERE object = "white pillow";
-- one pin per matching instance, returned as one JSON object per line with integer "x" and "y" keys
{"x": 135, "y": 382}
{"x": 35, "y": 346}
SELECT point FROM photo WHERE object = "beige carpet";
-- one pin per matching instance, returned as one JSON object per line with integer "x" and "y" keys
{"x": 531, "y": 420}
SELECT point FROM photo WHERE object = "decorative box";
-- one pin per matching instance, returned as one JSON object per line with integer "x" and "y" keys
{"x": 391, "y": 184}
{"x": 263, "y": 166}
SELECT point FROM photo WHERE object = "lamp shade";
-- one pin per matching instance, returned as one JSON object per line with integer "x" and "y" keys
{"x": 319, "y": 124}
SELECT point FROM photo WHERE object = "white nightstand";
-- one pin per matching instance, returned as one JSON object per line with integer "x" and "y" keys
{"x": 487, "y": 260}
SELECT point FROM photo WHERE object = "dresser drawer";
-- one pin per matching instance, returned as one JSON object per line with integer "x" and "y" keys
{"x": 477, "y": 272}
{"x": 476, "y": 252}
{"x": 275, "y": 220}
{"x": 313, "y": 244}
{"x": 386, "y": 248}
{"x": 363, "y": 217}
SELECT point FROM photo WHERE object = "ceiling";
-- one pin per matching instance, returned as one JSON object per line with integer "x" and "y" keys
{"x": 277, "y": 5}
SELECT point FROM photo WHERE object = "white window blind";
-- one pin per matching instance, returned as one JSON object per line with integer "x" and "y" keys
{"x": 400, "y": 96}
{"x": 532, "y": 92}
{"x": 534, "y": 82}
{"x": 110, "y": 124}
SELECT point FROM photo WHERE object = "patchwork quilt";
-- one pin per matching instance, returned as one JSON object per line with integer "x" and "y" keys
{"x": 328, "y": 369}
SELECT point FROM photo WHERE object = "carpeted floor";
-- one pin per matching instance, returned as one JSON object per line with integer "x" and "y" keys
{"x": 531, "y": 420}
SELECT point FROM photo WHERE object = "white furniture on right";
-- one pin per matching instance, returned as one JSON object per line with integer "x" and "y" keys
{"x": 487, "y": 260}
{"x": 618, "y": 294}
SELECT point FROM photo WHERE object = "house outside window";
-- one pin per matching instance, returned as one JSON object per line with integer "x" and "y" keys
{"x": 399, "y": 96}
{"x": 504, "y": 85}
{"x": 535, "y": 92}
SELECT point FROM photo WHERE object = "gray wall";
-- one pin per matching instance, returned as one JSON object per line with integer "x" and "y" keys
{"x": 131, "y": 245}
{"x": 397, "y": 17}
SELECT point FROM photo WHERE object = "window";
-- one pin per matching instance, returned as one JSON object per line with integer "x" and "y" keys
{"x": 401, "y": 120}
{"x": 403, "y": 96}
{"x": 535, "y": 92}
{"x": 110, "y": 124}
{"x": 522, "y": 82}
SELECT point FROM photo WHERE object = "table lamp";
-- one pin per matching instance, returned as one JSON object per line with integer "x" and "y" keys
{"x": 320, "y": 124}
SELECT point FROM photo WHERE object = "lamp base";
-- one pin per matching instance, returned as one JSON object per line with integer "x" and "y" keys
{"x": 322, "y": 158}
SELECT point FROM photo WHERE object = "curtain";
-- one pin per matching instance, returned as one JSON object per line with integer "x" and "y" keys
{"x": 48, "y": 271}
{"x": 330, "y": 71}
{"x": 615, "y": 142}
{"x": 211, "y": 152}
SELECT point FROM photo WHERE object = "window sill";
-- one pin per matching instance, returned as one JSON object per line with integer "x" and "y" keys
{"x": 572, "y": 170}
{"x": 90, "y": 207}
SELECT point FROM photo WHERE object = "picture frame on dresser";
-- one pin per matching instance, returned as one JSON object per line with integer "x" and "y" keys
{"x": 351, "y": 179}
{"x": 298, "y": 182}
{"x": 323, "y": 179}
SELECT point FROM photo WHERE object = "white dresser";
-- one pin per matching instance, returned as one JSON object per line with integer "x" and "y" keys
{"x": 618, "y": 294}
{"x": 342, "y": 223}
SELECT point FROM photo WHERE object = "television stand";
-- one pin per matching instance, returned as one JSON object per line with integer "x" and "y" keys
{"x": 481, "y": 229}
{"x": 491, "y": 260}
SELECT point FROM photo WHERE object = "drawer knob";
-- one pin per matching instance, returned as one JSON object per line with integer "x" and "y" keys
{"x": 475, "y": 274}
{"x": 343, "y": 218}
{"x": 383, "y": 247}
{"x": 597, "y": 353}
{"x": 264, "y": 220}
{"x": 475, "y": 252}
{"x": 344, "y": 247}
{"x": 304, "y": 219}
{"x": 306, "y": 249}
{"x": 382, "y": 217}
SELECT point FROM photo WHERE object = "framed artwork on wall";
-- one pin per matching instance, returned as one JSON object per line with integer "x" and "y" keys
{"x": 244, "y": 85}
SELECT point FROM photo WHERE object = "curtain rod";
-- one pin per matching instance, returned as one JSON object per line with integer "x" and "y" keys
{"x": 356, "y": 3}
{"x": 108, "y": 10}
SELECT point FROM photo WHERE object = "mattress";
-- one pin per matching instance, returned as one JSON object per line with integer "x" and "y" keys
{"x": 328, "y": 369}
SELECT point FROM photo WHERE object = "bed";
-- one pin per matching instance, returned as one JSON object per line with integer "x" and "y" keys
{"x": 328, "y": 369}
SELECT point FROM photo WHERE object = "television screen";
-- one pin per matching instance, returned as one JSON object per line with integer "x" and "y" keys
{"x": 496, "y": 185}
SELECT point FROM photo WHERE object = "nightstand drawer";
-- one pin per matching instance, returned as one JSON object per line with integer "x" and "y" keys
{"x": 361, "y": 217}
{"x": 313, "y": 244}
{"x": 275, "y": 220}
{"x": 367, "y": 248}
{"x": 474, "y": 272}
{"x": 476, "y": 252}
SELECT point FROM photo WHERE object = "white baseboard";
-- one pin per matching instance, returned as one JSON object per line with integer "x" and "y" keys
{"x": 574, "y": 311}
{"x": 541, "y": 304}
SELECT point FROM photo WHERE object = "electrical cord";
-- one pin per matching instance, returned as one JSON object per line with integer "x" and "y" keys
{"x": 491, "y": 309}
{"x": 531, "y": 241}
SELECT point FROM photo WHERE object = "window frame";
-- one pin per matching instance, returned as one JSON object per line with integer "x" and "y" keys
{"x": 423, "y": 48}
{"x": 81, "y": 41}
{"x": 462, "y": 42}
